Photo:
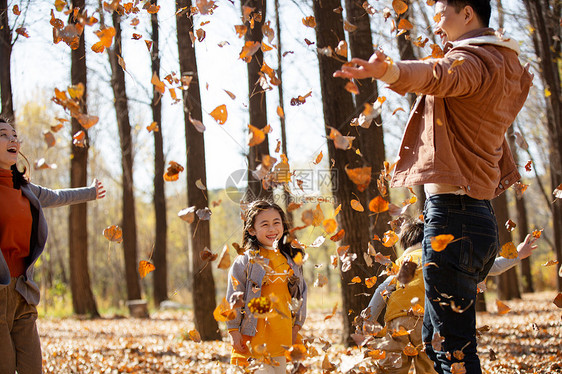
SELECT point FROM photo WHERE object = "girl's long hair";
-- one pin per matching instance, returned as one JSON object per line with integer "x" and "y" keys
{"x": 19, "y": 178}
{"x": 250, "y": 242}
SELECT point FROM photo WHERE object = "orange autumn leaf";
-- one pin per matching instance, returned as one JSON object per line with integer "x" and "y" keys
{"x": 16, "y": 10}
{"x": 113, "y": 233}
{"x": 86, "y": 120}
{"x": 257, "y": 136}
{"x": 106, "y": 39}
{"x": 356, "y": 205}
{"x": 145, "y": 267}
{"x": 223, "y": 312}
{"x": 79, "y": 139}
{"x": 338, "y": 236}
{"x": 558, "y": 192}
{"x": 173, "y": 171}
{"x": 508, "y": 250}
{"x": 404, "y": 24}
{"x": 309, "y": 21}
{"x": 399, "y": 6}
{"x": 318, "y": 158}
{"x": 330, "y": 225}
{"x": 22, "y": 31}
{"x": 224, "y": 258}
{"x": 49, "y": 138}
{"x": 361, "y": 177}
{"x": 194, "y": 336}
{"x": 370, "y": 282}
{"x": 410, "y": 350}
{"x": 153, "y": 9}
{"x": 389, "y": 239}
{"x": 378, "y": 205}
{"x": 220, "y": 114}
{"x": 280, "y": 112}
{"x": 502, "y": 308}
{"x": 248, "y": 50}
{"x": 356, "y": 279}
{"x": 352, "y": 88}
{"x": 455, "y": 63}
{"x": 158, "y": 84}
{"x": 340, "y": 141}
{"x": 440, "y": 242}
{"x": 337, "y": 210}
{"x": 537, "y": 233}
{"x": 241, "y": 30}
{"x": 153, "y": 127}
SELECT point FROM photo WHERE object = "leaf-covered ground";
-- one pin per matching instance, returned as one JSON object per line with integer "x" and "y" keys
{"x": 528, "y": 339}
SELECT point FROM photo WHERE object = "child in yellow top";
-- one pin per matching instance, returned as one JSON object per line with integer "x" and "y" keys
{"x": 266, "y": 278}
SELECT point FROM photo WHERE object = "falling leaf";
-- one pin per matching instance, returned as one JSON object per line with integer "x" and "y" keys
{"x": 199, "y": 126}
{"x": 410, "y": 350}
{"x": 550, "y": 263}
{"x": 528, "y": 166}
{"x": 338, "y": 236}
{"x": 400, "y": 7}
{"x": 49, "y": 138}
{"x": 153, "y": 127}
{"x": 356, "y": 279}
{"x": 458, "y": 368}
{"x": 296, "y": 353}
{"x": 220, "y": 114}
{"x": 207, "y": 255}
{"x": 241, "y": 30}
{"x": 223, "y": 312}
{"x": 341, "y": 49}
{"x": 436, "y": 341}
{"x": 187, "y": 214}
{"x": 106, "y": 39}
{"x": 330, "y": 225}
{"x": 456, "y": 63}
{"x": 502, "y": 308}
{"x": 349, "y": 27}
{"x": 145, "y": 267}
{"x": 370, "y": 282}
{"x": 356, "y": 205}
{"x": 42, "y": 164}
{"x": 224, "y": 258}
{"x": 334, "y": 310}
{"x": 537, "y": 233}
{"x": 389, "y": 239}
{"x": 200, "y": 185}
{"x": 352, "y": 88}
{"x": 309, "y": 21}
{"x": 22, "y": 31}
{"x": 113, "y": 233}
{"x": 204, "y": 214}
{"x": 318, "y": 158}
{"x": 361, "y": 177}
{"x": 158, "y": 84}
{"x": 257, "y": 136}
{"x": 148, "y": 44}
{"x": 407, "y": 272}
{"x": 404, "y": 24}
{"x": 173, "y": 171}
{"x": 508, "y": 250}
{"x": 200, "y": 35}
{"x": 248, "y": 50}
{"x": 397, "y": 110}
{"x": 79, "y": 139}
{"x": 510, "y": 225}
{"x": 16, "y": 10}
{"x": 440, "y": 242}
{"x": 378, "y": 205}
{"x": 547, "y": 92}
{"x": 86, "y": 120}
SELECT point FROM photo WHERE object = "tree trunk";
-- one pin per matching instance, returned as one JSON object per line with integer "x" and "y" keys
{"x": 544, "y": 17}
{"x": 508, "y": 287}
{"x": 203, "y": 292}
{"x": 160, "y": 274}
{"x": 257, "y": 102}
{"x": 338, "y": 108}
{"x": 5, "y": 63}
{"x": 128, "y": 222}
{"x": 83, "y": 301}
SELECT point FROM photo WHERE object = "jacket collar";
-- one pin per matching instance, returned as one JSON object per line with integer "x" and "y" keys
{"x": 484, "y": 36}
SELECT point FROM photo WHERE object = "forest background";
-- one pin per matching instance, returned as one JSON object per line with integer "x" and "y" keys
{"x": 264, "y": 63}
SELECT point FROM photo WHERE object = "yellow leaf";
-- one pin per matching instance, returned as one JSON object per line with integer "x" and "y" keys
{"x": 356, "y": 205}
{"x": 257, "y": 136}
{"x": 158, "y": 84}
{"x": 356, "y": 279}
{"x": 378, "y": 205}
{"x": 195, "y": 336}
{"x": 280, "y": 112}
{"x": 330, "y": 225}
{"x": 370, "y": 282}
{"x": 223, "y": 312}
{"x": 318, "y": 158}
{"x": 399, "y": 6}
{"x": 145, "y": 267}
{"x": 113, "y": 233}
{"x": 389, "y": 239}
{"x": 309, "y": 21}
{"x": 502, "y": 308}
{"x": 508, "y": 250}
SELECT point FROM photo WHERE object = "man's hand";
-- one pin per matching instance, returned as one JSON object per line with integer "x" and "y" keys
{"x": 100, "y": 191}
{"x": 374, "y": 68}
{"x": 237, "y": 342}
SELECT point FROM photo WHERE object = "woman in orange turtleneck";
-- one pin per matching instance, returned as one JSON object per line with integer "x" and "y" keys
{"x": 23, "y": 233}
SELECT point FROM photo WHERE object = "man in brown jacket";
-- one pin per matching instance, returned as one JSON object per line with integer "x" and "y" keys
{"x": 454, "y": 144}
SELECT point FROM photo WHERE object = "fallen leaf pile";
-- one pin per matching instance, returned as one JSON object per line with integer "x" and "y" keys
{"x": 525, "y": 340}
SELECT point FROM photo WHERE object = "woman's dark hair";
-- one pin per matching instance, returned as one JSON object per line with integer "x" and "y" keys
{"x": 482, "y": 8}
{"x": 19, "y": 178}
{"x": 411, "y": 233}
{"x": 250, "y": 242}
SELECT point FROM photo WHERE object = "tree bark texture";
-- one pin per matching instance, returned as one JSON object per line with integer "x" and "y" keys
{"x": 160, "y": 274}
{"x": 257, "y": 101}
{"x": 5, "y": 63}
{"x": 128, "y": 222}
{"x": 203, "y": 292}
{"x": 338, "y": 108}
{"x": 544, "y": 16}
{"x": 508, "y": 286}
{"x": 83, "y": 301}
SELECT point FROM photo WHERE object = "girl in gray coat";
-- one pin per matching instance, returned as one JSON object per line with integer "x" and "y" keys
{"x": 23, "y": 234}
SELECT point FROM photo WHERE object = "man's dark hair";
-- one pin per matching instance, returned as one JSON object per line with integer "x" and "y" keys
{"x": 482, "y": 8}
{"x": 411, "y": 233}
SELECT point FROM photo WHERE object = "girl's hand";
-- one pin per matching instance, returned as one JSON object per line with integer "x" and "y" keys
{"x": 296, "y": 329}
{"x": 237, "y": 342}
{"x": 100, "y": 191}
{"x": 525, "y": 248}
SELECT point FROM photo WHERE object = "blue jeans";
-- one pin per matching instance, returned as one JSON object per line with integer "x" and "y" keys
{"x": 451, "y": 275}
